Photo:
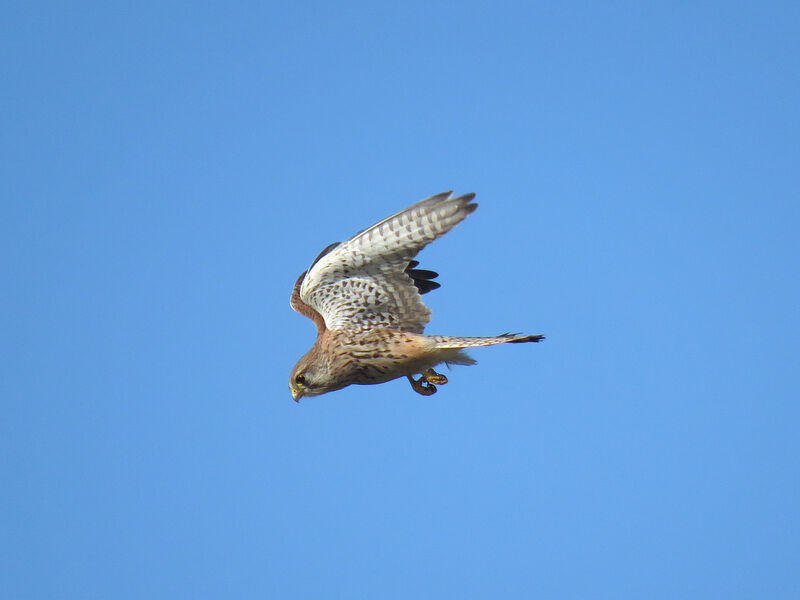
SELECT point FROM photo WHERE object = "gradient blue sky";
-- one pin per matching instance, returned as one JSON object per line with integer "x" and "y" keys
{"x": 168, "y": 169}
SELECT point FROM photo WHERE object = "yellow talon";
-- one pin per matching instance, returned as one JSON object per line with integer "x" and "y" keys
{"x": 432, "y": 376}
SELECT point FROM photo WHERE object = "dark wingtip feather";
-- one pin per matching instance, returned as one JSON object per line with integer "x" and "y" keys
{"x": 422, "y": 274}
{"x": 425, "y": 286}
{"x": 467, "y": 201}
{"x": 422, "y": 278}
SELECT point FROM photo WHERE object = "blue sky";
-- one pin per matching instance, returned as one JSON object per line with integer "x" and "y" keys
{"x": 168, "y": 169}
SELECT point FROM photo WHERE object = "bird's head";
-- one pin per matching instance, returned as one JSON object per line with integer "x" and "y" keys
{"x": 312, "y": 375}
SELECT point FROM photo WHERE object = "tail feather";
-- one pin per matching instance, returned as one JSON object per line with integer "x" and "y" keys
{"x": 448, "y": 341}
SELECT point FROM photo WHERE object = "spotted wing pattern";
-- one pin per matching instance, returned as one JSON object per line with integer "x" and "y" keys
{"x": 369, "y": 280}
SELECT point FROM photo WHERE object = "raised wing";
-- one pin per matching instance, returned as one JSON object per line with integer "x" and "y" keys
{"x": 368, "y": 280}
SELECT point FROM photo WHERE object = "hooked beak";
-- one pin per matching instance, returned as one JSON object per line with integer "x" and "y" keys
{"x": 296, "y": 394}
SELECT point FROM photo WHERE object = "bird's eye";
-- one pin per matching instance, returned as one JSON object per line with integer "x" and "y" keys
{"x": 300, "y": 380}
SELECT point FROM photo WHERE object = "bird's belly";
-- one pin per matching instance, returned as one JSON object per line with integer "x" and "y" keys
{"x": 384, "y": 359}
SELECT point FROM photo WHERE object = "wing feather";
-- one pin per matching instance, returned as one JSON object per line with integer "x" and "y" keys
{"x": 362, "y": 282}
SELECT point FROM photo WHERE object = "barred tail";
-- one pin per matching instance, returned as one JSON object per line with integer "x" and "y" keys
{"x": 448, "y": 341}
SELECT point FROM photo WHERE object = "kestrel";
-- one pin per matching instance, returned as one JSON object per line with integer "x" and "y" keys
{"x": 364, "y": 296}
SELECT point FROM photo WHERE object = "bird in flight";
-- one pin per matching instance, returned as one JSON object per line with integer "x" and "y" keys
{"x": 364, "y": 296}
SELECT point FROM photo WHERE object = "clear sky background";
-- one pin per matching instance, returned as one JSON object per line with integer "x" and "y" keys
{"x": 168, "y": 169}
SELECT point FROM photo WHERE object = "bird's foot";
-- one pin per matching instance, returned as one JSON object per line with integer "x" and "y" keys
{"x": 432, "y": 376}
{"x": 422, "y": 386}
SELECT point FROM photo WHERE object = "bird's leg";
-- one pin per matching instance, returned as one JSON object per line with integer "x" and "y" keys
{"x": 432, "y": 376}
{"x": 422, "y": 386}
